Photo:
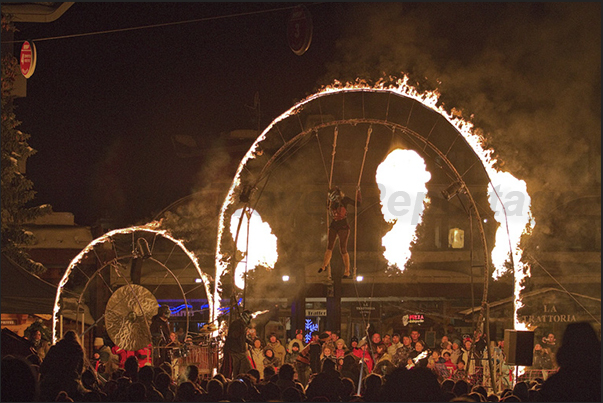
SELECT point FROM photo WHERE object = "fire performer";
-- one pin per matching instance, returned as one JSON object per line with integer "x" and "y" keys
{"x": 339, "y": 227}
{"x": 160, "y": 331}
{"x": 235, "y": 359}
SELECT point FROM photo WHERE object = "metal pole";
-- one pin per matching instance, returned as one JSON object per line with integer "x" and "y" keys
{"x": 489, "y": 350}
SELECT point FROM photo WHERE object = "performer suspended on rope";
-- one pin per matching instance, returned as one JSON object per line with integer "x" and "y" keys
{"x": 339, "y": 227}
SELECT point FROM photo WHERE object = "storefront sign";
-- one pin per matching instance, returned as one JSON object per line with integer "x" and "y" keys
{"x": 299, "y": 30}
{"x": 413, "y": 319}
{"x": 316, "y": 312}
{"x": 28, "y": 58}
{"x": 367, "y": 311}
{"x": 549, "y": 314}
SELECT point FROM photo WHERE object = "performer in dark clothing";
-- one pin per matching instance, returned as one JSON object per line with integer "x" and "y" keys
{"x": 339, "y": 228}
{"x": 160, "y": 331}
{"x": 235, "y": 360}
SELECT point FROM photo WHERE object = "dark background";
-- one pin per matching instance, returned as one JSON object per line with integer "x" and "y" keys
{"x": 102, "y": 109}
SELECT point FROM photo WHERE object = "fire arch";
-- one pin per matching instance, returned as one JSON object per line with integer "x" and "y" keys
{"x": 306, "y": 141}
{"x": 136, "y": 263}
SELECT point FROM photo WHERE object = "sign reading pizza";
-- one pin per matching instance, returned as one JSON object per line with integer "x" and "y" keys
{"x": 413, "y": 319}
{"x": 27, "y": 60}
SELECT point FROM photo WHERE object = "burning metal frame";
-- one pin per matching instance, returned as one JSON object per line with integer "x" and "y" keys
{"x": 406, "y": 114}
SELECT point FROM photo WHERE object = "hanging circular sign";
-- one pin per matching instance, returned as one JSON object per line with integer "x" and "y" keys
{"x": 299, "y": 30}
{"x": 28, "y": 59}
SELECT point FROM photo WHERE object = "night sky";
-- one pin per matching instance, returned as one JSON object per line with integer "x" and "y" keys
{"x": 102, "y": 109}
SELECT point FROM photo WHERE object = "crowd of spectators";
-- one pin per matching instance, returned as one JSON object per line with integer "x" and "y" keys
{"x": 386, "y": 369}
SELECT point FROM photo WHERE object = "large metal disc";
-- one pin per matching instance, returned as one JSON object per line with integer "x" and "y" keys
{"x": 128, "y": 316}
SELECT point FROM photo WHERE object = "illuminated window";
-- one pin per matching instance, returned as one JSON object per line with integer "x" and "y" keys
{"x": 456, "y": 238}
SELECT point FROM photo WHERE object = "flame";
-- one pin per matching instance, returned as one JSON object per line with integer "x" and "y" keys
{"x": 402, "y": 177}
{"x": 262, "y": 244}
{"x": 510, "y": 201}
{"x": 258, "y": 313}
{"x": 150, "y": 227}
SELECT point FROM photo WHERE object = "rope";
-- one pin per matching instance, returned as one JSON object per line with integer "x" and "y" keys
{"x": 335, "y": 134}
{"x": 366, "y": 146}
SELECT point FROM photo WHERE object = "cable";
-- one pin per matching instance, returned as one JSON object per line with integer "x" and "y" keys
{"x": 366, "y": 146}
{"x": 564, "y": 289}
{"x": 155, "y": 25}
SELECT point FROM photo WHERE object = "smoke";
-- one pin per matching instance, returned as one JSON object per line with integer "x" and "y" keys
{"x": 527, "y": 75}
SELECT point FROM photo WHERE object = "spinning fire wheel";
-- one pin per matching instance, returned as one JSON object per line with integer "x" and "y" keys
{"x": 117, "y": 280}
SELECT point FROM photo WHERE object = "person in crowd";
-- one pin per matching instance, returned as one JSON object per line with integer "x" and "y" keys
{"x": 173, "y": 345}
{"x": 19, "y": 381}
{"x": 62, "y": 369}
{"x": 350, "y": 367}
{"x": 354, "y": 344}
{"x": 455, "y": 352}
{"x": 461, "y": 387}
{"x": 550, "y": 342}
{"x": 286, "y": 374}
{"x": 417, "y": 385}
{"x": 364, "y": 356}
{"x": 327, "y": 354}
{"x": 400, "y": 358}
{"x": 40, "y": 345}
{"x": 387, "y": 340}
{"x": 296, "y": 347}
{"x": 186, "y": 392}
{"x": 448, "y": 363}
{"x": 383, "y": 361}
{"x": 374, "y": 341}
{"x": 215, "y": 390}
{"x": 308, "y": 361}
{"x": 395, "y": 345}
{"x": 579, "y": 358}
{"x": 419, "y": 357}
{"x": 270, "y": 359}
{"x": 131, "y": 367}
{"x": 337, "y": 206}
{"x": 434, "y": 358}
{"x": 415, "y": 336}
{"x": 468, "y": 356}
{"x": 163, "y": 382}
{"x": 372, "y": 387}
{"x": 444, "y": 342}
{"x": 298, "y": 339}
{"x": 461, "y": 372}
{"x": 277, "y": 348}
{"x": 235, "y": 359}
{"x": 257, "y": 355}
{"x": 146, "y": 376}
{"x": 340, "y": 349}
{"x": 160, "y": 331}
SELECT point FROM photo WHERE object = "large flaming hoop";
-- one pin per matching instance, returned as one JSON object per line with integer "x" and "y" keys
{"x": 418, "y": 122}
{"x": 111, "y": 253}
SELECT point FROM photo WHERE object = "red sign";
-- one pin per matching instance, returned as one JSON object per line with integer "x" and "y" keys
{"x": 28, "y": 59}
{"x": 299, "y": 30}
